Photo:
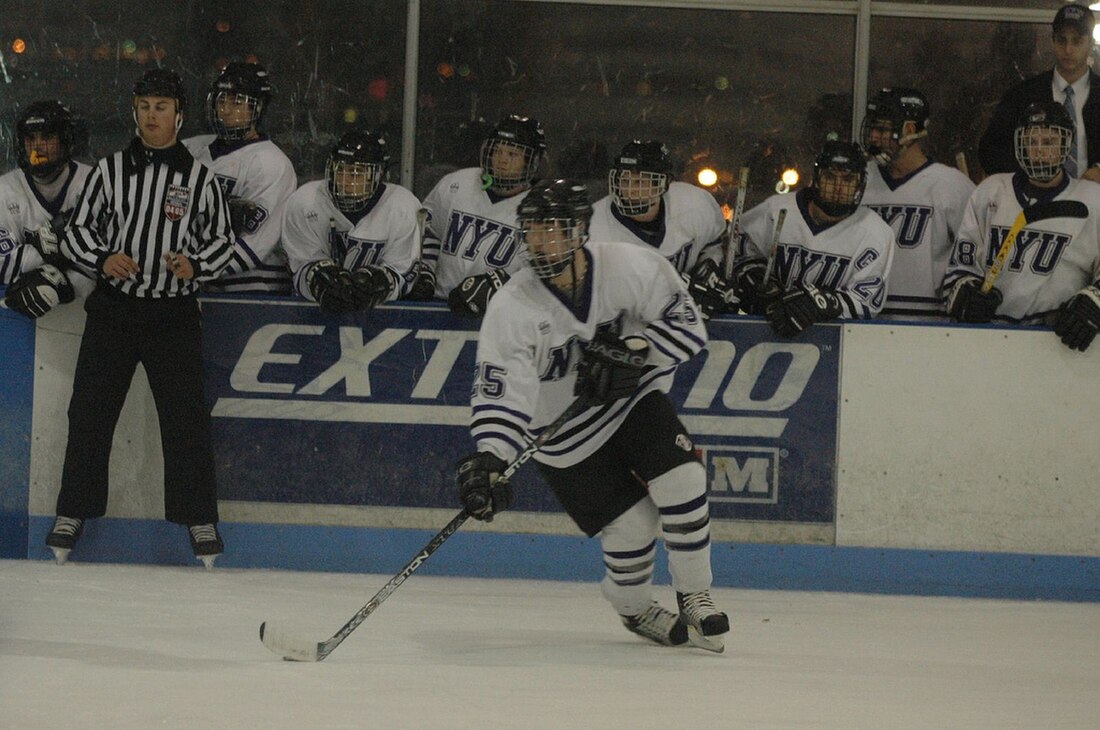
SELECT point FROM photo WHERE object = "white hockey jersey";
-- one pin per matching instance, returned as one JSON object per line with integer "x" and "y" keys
{"x": 23, "y": 211}
{"x": 924, "y": 208}
{"x": 852, "y": 257}
{"x": 467, "y": 233}
{"x": 690, "y": 226}
{"x": 260, "y": 172}
{"x": 1051, "y": 260}
{"x": 314, "y": 229}
{"x": 530, "y": 344}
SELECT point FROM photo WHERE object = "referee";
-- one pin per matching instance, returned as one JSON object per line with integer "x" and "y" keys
{"x": 151, "y": 223}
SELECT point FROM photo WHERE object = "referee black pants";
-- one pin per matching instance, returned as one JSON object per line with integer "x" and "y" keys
{"x": 165, "y": 336}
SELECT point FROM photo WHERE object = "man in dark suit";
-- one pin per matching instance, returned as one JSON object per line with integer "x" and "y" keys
{"x": 1069, "y": 83}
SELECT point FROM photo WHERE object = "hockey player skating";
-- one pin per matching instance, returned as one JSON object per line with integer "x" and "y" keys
{"x": 609, "y": 323}
{"x": 353, "y": 240}
{"x": 255, "y": 174}
{"x": 680, "y": 221}
{"x": 1051, "y": 273}
{"x": 922, "y": 200}
{"x": 470, "y": 245}
{"x": 831, "y": 259}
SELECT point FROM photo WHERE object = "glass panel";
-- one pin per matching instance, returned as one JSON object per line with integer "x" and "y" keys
{"x": 1019, "y": 4}
{"x": 718, "y": 87}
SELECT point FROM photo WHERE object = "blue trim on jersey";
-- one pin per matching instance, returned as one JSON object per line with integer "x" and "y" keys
{"x": 511, "y": 412}
{"x": 1028, "y": 195}
{"x": 895, "y": 184}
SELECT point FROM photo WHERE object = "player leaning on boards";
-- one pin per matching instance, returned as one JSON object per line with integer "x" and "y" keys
{"x": 830, "y": 258}
{"x": 625, "y": 468}
{"x": 680, "y": 221}
{"x": 471, "y": 246}
{"x": 922, "y": 200}
{"x": 37, "y": 198}
{"x": 151, "y": 224}
{"x": 353, "y": 240}
{"x": 1050, "y": 274}
{"x": 255, "y": 175}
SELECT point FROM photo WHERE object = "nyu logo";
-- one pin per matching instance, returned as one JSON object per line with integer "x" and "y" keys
{"x": 471, "y": 237}
{"x": 798, "y": 265}
{"x": 742, "y": 474}
{"x": 908, "y": 221}
{"x": 1038, "y": 251}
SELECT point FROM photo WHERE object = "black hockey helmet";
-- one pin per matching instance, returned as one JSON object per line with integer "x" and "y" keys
{"x": 517, "y": 132}
{"x": 839, "y": 198}
{"x": 888, "y": 111}
{"x": 562, "y": 210}
{"x": 162, "y": 82}
{"x": 1042, "y": 139}
{"x": 48, "y": 117}
{"x": 355, "y": 168}
{"x": 239, "y": 82}
{"x": 651, "y": 166}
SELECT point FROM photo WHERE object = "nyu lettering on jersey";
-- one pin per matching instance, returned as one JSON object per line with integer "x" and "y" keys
{"x": 257, "y": 171}
{"x": 852, "y": 257}
{"x": 1052, "y": 259}
{"x": 467, "y": 233}
{"x": 925, "y": 209}
{"x": 314, "y": 229}
{"x": 691, "y": 226}
{"x": 23, "y": 211}
{"x": 530, "y": 343}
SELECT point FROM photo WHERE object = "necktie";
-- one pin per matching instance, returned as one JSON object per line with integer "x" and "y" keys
{"x": 1071, "y": 160}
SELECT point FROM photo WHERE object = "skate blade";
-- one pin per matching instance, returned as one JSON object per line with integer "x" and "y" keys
{"x": 716, "y": 644}
{"x": 60, "y": 555}
{"x": 207, "y": 561}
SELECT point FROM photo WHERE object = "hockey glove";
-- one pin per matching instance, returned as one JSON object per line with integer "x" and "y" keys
{"x": 373, "y": 285}
{"x": 801, "y": 307}
{"x": 710, "y": 290}
{"x": 333, "y": 288}
{"x": 245, "y": 216}
{"x": 482, "y": 491}
{"x": 37, "y": 292}
{"x": 471, "y": 297}
{"x": 423, "y": 290}
{"x": 611, "y": 368}
{"x": 750, "y": 289}
{"x": 1078, "y": 321}
{"x": 967, "y": 303}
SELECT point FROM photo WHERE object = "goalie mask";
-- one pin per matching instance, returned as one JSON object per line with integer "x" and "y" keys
{"x": 355, "y": 169}
{"x": 840, "y": 176}
{"x": 639, "y": 177}
{"x": 1043, "y": 135}
{"x": 35, "y": 149}
{"x": 883, "y": 131}
{"x": 511, "y": 154}
{"x": 237, "y": 100}
{"x": 553, "y": 221}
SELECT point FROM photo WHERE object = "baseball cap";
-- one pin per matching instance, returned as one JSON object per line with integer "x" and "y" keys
{"x": 1075, "y": 16}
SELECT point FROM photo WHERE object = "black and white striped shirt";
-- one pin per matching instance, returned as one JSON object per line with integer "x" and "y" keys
{"x": 145, "y": 203}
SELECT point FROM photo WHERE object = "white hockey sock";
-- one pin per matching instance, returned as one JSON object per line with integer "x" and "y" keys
{"x": 680, "y": 494}
{"x": 629, "y": 549}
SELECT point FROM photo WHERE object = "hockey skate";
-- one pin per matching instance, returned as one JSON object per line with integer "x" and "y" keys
{"x": 62, "y": 538}
{"x": 206, "y": 542}
{"x": 659, "y": 625}
{"x": 705, "y": 623}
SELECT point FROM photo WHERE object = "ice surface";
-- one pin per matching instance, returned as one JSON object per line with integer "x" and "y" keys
{"x": 123, "y": 646}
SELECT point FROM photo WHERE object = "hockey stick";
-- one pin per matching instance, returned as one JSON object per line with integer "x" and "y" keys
{"x": 773, "y": 250}
{"x": 1039, "y": 212}
{"x": 294, "y": 649}
{"x": 735, "y": 222}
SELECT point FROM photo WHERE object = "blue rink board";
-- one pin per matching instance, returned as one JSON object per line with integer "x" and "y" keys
{"x": 546, "y": 557}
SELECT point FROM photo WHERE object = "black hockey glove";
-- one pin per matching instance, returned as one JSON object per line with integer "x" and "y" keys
{"x": 800, "y": 307}
{"x": 333, "y": 288}
{"x": 966, "y": 303}
{"x": 611, "y": 368}
{"x": 373, "y": 285}
{"x": 1078, "y": 321}
{"x": 471, "y": 297}
{"x": 37, "y": 292}
{"x": 245, "y": 216}
{"x": 423, "y": 289}
{"x": 750, "y": 289}
{"x": 711, "y": 291}
{"x": 482, "y": 491}
{"x": 45, "y": 241}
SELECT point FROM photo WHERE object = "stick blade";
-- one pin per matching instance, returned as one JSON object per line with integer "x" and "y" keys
{"x": 1056, "y": 209}
{"x": 290, "y": 648}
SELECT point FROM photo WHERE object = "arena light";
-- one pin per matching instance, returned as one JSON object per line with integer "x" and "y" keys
{"x": 707, "y": 177}
{"x": 790, "y": 177}
{"x": 19, "y": 45}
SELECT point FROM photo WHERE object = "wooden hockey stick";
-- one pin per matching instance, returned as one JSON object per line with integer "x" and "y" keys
{"x": 734, "y": 227}
{"x": 773, "y": 249}
{"x": 294, "y": 649}
{"x": 1038, "y": 212}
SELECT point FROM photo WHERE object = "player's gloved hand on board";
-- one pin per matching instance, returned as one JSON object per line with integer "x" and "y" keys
{"x": 712, "y": 293}
{"x": 611, "y": 368}
{"x": 471, "y": 297}
{"x": 967, "y": 303}
{"x": 1078, "y": 320}
{"x": 372, "y": 285}
{"x": 750, "y": 288}
{"x": 482, "y": 491}
{"x": 45, "y": 240}
{"x": 37, "y": 292}
{"x": 801, "y": 307}
{"x": 333, "y": 287}
{"x": 244, "y": 215}
{"x": 423, "y": 289}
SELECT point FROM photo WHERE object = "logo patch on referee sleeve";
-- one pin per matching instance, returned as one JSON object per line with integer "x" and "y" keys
{"x": 683, "y": 442}
{"x": 176, "y": 201}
